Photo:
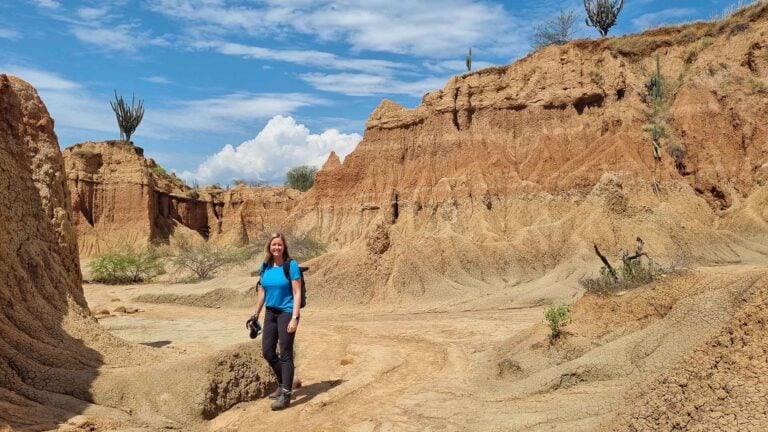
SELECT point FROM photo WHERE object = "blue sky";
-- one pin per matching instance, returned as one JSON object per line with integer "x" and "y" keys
{"x": 250, "y": 88}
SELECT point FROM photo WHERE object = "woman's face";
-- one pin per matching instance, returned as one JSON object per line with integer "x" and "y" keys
{"x": 276, "y": 247}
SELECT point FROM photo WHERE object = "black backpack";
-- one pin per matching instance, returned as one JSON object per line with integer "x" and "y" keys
{"x": 287, "y": 272}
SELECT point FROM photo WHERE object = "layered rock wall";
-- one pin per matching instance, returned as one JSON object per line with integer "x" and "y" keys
{"x": 501, "y": 174}
{"x": 121, "y": 198}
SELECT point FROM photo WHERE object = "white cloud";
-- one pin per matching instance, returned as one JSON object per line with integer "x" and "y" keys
{"x": 48, "y": 4}
{"x": 428, "y": 28}
{"x": 666, "y": 16}
{"x": 9, "y": 34}
{"x": 41, "y": 80}
{"x": 454, "y": 66}
{"x": 280, "y": 146}
{"x": 368, "y": 84}
{"x": 89, "y": 13}
{"x": 222, "y": 114}
{"x": 78, "y": 111}
{"x": 71, "y": 106}
{"x": 158, "y": 79}
{"x": 303, "y": 57}
{"x": 218, "y": 17}
{"x": 122, "y": 38}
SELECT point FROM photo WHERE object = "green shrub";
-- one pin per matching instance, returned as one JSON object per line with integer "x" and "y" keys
{"x": 557, "y": 317}
{"x": 126, "y": 266}
{"x": 205, "y": 259}
{"x": 160, "y": 171}
{"x": 301, "y": 177}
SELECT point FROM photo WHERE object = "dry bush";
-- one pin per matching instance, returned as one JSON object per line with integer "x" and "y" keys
{"x": 631, "y": 274}
{"x": 205, "y": 259}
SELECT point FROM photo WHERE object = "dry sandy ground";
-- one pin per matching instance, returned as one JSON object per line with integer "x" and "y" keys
{"x": 467, "y": 365}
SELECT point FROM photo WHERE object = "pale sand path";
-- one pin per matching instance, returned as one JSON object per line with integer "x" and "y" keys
{"x": 415, "y": 368}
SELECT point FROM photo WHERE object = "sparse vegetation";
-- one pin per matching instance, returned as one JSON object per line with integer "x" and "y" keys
{"x": 758, "y": 86}
{"x": 631, "y": 274}
{"x": 658, "y": 91}
{"x": 205, "y": 259}
{"x": 555, "y": 31}
{"x": 697, "y": 47}
{"x": 301, "y": 177}
{"x": 160, "y": 171}
{"x": 602, "y": 14}
{"x": 128, "y": 118}
{"x": 126, "y": 265}
{"x": 251, "y": 183}
{"x": 557, "y": 317}
{"x": 636, "y": 269}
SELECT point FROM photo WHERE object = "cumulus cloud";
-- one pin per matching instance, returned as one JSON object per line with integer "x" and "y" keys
{"x": 280, "y": 146}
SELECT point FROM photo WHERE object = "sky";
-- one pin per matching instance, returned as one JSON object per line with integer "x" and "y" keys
{"x": 247, "y": 89}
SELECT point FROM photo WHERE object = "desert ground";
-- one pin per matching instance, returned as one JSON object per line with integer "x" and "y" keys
{"x": 481, "y": 364}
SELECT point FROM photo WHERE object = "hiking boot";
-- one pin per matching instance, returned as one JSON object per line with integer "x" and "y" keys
{"x": 283, "y": 401}
{"x": 275, "y": 394}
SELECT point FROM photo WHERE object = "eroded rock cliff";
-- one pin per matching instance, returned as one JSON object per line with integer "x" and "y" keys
{"x": 509, "y": 171}
{"x": 55, "y": 359}
{"x": 121, "y": 198}
{"x": 45, "y": 372}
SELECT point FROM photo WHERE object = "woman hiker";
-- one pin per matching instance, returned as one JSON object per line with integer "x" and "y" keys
{"x": 282, "y": 298}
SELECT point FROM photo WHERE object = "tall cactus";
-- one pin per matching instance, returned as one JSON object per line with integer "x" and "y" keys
{"x": 469, "y": 60}
{"x": 655, "y": 86}
{"x": 602, "y": 14}
{"x": 128, "y": 118}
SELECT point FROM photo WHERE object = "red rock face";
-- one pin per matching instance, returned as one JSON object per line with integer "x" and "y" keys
{"x": 121, "y": 198}
{"x": 41, "y": 366}
{"x": 511, "y": 162}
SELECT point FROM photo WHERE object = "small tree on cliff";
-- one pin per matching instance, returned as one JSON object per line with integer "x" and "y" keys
{"x": 128, "y": 118}
{"x": 301, "y": 177}
{"x": 557, "y": 30}
{"x": 602, "y": 14}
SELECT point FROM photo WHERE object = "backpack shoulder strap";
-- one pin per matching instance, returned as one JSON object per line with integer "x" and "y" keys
{"x": 287, "y": 269}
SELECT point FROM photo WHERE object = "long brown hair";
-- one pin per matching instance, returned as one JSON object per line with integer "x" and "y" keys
{"x": 268, "y": 259}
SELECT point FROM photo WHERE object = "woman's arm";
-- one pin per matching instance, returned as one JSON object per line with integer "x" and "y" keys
{"x": 259, "y": 300}
{"x": 296, "y": 290}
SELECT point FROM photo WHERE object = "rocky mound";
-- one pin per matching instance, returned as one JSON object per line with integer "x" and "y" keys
{"x": 719, "y": 386}
{"x": 121, "y": 198}
{"x": 55, "y": 360}
{"x": 46, "y": 371}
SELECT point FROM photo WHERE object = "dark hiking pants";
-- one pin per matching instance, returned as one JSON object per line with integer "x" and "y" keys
{"x": 276, "y": 331}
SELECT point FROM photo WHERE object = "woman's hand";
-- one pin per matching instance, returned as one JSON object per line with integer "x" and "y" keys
{"x": 293, "y": 325}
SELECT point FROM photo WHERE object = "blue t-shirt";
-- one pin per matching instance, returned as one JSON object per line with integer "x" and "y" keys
{"x": 277, "y": 289}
